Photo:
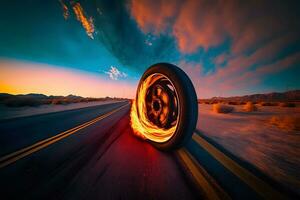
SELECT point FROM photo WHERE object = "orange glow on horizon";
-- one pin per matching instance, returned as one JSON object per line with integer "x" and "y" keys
{"x": 24, "y": 78}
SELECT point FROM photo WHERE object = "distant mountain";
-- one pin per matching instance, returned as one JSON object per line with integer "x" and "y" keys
{"x": 71, "y": 96}
{"x": 4, "y": 96}
{"x": 33, "y": 95}
{"x": 33, "y": 99}
{"x": 293, "y": 95}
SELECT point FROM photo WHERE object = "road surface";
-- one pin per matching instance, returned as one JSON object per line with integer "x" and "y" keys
{"x": 101, "y": 161}
{"x": 91, "y": 153}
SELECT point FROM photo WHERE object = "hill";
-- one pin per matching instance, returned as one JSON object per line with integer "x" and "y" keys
{"x": 33, "y": 99}
{"x": 293, "y": 95}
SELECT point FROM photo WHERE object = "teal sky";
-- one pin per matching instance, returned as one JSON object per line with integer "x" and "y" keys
{"x": 232, "y": 48}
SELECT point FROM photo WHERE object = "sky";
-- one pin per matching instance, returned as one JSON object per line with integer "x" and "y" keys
{"x": 101, "y": 48}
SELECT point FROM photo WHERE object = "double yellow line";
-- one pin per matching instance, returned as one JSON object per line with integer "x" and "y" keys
{"x": 258, "y": 185}
{"x": 13, "y": 157}
{"x": 262, "y": 188}
{"x": 200, "y": 179}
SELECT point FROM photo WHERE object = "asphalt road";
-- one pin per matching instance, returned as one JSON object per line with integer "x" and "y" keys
{"x": 91, "y": 153}
{"x": 100, "y": 160}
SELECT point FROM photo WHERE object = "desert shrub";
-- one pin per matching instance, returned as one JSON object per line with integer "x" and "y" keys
{"x": 287, "y": 104}
{"x": 20, "y": 101}
{"x": 214, "y": 102}
{"x": 235, "y": 103}
{"x": 286, "y": 122}
{"x": 59, "y": 101}
{"x": 56, "y": 101}
{"x": 221, "y": 108}
{"x": 47, "y": 101}
{"x": 268, "y": 104}
{"x": 249, "y": 107}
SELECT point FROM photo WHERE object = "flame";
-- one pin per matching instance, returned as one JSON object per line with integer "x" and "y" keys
{"x": 87, "y": 24}
{"x": 140, "y": 123}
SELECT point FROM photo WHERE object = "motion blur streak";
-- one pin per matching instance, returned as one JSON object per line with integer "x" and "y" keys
{"x": 140, "y": 123}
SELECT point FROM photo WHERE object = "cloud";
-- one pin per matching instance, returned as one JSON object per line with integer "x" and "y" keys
{"x": 115, "y": 74}
{"x": 119, "y": 34}
{"x": 236, "y": 79}
{"x": 65, "y": 8}
{"x": 221, "y": 59}
{"x": 280, "y": 65}
{"x": 81, "y": 16}
{"x": 149, "y": 21}
{"x": 205, "y": 24}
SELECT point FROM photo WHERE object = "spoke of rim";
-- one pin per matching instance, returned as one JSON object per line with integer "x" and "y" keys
{"x": 157, "y": 122}
{"x": 159, "y": 91}
{"x": 154, "y": 92}
{"x": 148, "y": 97}
{"x": 162, "y": 117}
{"x": 165, "y": 98}
{"x": 151, "y": 113}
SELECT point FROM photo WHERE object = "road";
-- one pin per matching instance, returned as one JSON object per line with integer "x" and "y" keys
{"x": 91, "y": 153}
{"x": 101, "y": 161}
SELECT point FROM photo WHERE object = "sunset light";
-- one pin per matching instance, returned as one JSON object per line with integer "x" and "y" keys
{"x": 23, "y": 78}
{"x": 150, "y": 99}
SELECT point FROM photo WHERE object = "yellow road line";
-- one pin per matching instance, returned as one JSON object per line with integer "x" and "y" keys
{"x": 13, "y": 157}
{"x": 258, "y": 185}
{"x": 200, "y": 180}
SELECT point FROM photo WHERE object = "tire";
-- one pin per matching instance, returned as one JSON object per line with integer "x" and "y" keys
{"x": 186, "y": 104}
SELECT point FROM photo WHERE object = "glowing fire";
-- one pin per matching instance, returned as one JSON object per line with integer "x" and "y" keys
{"x": 140, "y": 123}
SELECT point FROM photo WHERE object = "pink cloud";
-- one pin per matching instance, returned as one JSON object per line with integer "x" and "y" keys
{"x": 219, "y": 60}
{"x": 238, "y": 66}
{"x": 209, "y": 85}
{"x": 280, "y": 65}
{"x": 254, "y": 27}
{"x": 153, "y": 16}
{"x": 233, "y": 79}
{"x": 200, "y": 23}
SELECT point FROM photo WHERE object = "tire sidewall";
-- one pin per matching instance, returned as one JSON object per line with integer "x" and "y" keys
{"x": 188, "y": 109}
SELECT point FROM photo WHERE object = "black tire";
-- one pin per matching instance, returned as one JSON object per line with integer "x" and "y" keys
{"x": 188, "y": 105}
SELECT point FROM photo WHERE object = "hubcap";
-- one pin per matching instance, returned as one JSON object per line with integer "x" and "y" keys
{"x": 162, "y": 102}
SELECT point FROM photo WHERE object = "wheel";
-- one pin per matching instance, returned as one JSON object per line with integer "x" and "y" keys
{"x": 165, "y": 110}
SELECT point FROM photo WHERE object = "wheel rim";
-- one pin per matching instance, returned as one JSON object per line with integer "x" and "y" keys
{"x": 161, "y": 102}
{"x": 161, "y": 106}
